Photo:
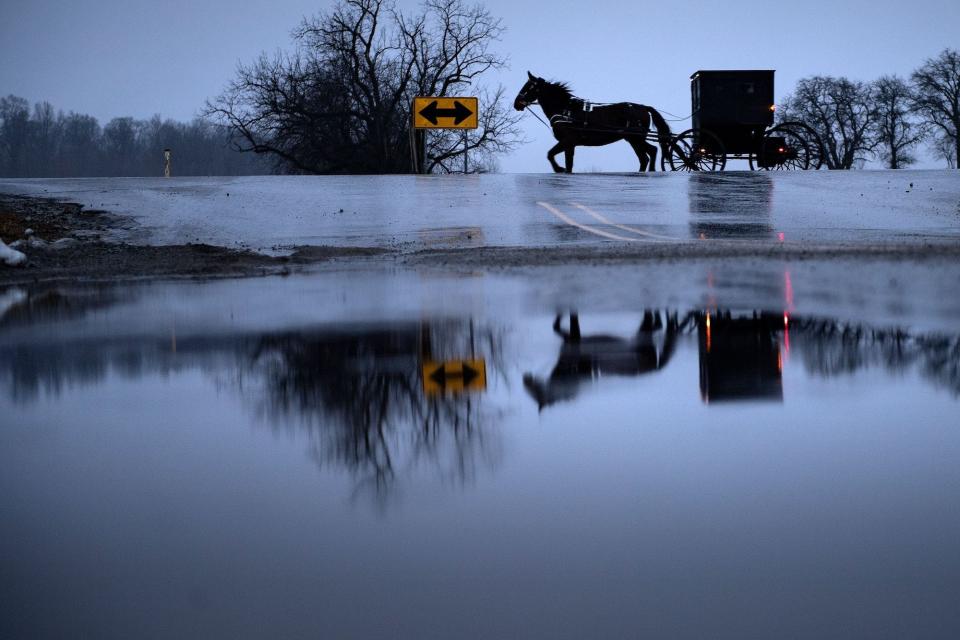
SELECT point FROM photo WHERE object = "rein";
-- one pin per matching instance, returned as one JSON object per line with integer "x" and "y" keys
{"x": 534, "y": 114}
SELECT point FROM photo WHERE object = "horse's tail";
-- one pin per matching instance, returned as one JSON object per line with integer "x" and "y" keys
{"x": 664, "y": 135}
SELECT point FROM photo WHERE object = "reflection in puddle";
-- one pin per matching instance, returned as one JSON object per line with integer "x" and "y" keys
{"x": 587, "y": 357}
{"x": 381, "y": 373}
{"x": 543, "y": 465}
{"x": 363, "y": 398}
{"x": 375, "y": 400}
{"x": 18, "y": 307}
{"x": 741, "y": 356}
{"x": 716, "y": 211}
{"x": 378, "y": 399}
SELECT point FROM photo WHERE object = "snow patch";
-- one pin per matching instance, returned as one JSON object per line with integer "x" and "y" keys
{"x": 11, "y": 257}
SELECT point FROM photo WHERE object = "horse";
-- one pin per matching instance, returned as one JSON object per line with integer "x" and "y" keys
{"x": 584, "y": 358}
{"x": 577, "y": 122}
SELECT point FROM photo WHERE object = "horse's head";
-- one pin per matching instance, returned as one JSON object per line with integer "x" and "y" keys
{"x": 529, "y": 93}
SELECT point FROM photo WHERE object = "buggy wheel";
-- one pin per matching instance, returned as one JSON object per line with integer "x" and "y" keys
{"x": 696, "y": 150}
{"x": 783, "y": 148}
{"x": 803, "y": 148}
{"x": 813, "y": 142}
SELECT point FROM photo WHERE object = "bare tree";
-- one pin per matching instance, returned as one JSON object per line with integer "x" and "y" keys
{"x": 14, "y": 136}
{"x": 79, "y": 146}
{"x": 937, "y": 86}
{"x": 944, "y": 149}
{"x": 896, "y": 131}
{"x": 841, "y": 112}
{"x": 340, "y": 102}
{"x": 45, "y": 132}
{"x": 120, "y": 145}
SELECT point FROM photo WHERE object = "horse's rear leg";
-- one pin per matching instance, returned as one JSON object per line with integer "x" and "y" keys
{"x": 652, "y": 153}
{"x": 640, "y": 148}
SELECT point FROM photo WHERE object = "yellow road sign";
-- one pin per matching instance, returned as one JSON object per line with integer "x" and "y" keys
{"x": 454, "y": 376}
{"x": 445, "y": 113}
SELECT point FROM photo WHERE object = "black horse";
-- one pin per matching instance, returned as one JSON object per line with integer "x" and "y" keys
{"x": 577, "y": 122}
{"x": 583, "y": 358}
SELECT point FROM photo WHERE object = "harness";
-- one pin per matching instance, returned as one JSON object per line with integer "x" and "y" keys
{"x": 575, "y": 116}
{"x": 566, "y": 118}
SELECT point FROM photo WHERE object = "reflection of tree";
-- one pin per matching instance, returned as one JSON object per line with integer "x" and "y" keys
{"x": 831, "y": 348}
{"x": 20, "y": 307}
{"x": 361, "y": 397}
{"x": 358, "y": 393}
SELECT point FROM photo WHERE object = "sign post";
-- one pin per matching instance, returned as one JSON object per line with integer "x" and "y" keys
{"x": 166, "y": 163}
{"x": 443, "y": 113}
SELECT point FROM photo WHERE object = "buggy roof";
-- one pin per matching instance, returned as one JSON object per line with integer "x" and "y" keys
{"x": 730, "y": 71}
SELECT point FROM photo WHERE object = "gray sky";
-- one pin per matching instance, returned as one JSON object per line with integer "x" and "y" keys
{"x": 132, "y": 57}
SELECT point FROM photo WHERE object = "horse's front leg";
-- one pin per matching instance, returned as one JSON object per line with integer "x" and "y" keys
{"x": 557, "y": 148}
{"x": 568, "y": 157}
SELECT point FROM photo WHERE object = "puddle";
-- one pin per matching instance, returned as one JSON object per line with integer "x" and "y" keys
{"x": 175, "y": 469}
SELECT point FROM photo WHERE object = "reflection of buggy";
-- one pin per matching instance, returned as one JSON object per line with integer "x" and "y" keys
{"x": 731, "y": 113}
{"x": 739, "y": 356}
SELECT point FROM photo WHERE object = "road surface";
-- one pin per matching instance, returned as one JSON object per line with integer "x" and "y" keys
{"x": 413, "y": 212}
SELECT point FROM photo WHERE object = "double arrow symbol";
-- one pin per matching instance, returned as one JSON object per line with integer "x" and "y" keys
{"x": 454, "y": 376}
{"x": 432, "y": 112}
{"x": 467, "y": 373}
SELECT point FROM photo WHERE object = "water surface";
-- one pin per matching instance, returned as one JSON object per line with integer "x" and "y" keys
{"x": 175, "y": 466}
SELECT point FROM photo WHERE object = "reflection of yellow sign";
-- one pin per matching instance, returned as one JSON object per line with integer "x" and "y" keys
{"x": 445, "y": 113}
{"x": 454, "y": 376}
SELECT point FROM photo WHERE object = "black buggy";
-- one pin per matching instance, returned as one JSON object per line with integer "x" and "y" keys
{"x": 733, "y": 115}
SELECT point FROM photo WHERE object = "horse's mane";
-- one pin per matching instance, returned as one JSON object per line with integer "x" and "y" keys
{"x": 560, "y": 87}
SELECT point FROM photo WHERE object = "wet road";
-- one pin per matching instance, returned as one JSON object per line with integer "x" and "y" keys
{"x": 411, "y": 212}
{"x": 701, "y": 447}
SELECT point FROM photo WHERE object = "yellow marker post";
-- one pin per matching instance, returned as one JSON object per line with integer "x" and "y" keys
{"x": 445, "y": 113}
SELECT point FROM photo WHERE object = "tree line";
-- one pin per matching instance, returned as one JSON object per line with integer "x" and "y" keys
{"x": 44, "y": 143}
{"x": 887, "y": 119}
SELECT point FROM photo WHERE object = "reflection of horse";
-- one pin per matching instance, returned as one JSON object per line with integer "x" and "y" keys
{"x": 584, "y": 357}
{"x": 576, "y": 122}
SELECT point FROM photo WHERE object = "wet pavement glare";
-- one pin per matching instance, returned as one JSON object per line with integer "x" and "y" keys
{"x": 277, "y": 213}
{"x": 470, "y": 470}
